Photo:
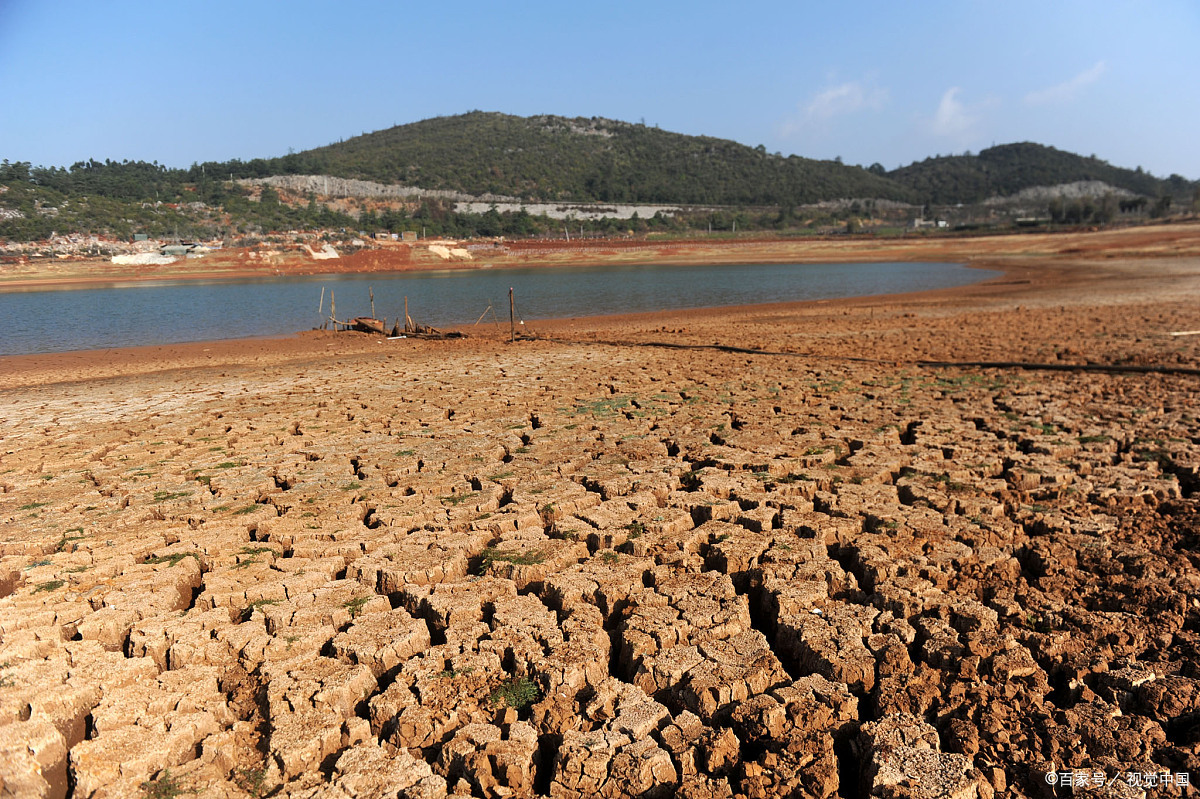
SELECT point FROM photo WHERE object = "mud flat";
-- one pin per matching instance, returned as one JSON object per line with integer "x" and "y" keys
{"x": 758, "y": 552}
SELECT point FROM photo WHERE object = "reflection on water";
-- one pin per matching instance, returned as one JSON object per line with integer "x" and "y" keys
{"x": 140, "y": 314}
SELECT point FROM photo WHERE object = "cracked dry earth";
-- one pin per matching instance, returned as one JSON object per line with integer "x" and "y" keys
{"x": 576, "y": 570}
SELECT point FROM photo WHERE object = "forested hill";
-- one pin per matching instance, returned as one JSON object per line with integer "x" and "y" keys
{"x": 1009, "y": 168}
{"x": 555, "y": 158}
{"x": 546, "y": 158}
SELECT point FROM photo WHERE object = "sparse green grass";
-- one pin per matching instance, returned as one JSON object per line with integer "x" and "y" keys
{"x": 457, "y": 499}
{"x": 252, "y": 780}
{"x": 636, "y": 530}
{"x": 518, "y": 693}
{"x": 356, "y": 605}
{"x": 245, "y": 510}
{"x": 68, "y": 539}
{"x": 1100, "y": 439}
{"x": 352, "y": 486}
{"x": 609, "y": 557}
{"x": 173, "y": 559}
{"x": 405, "y": 453}
{"x": 165, "y": 786}
{"x": 248, "y": 611}
{"x": 495, "y": 478}
{"x": 167, "y": 496}
{"x": 450, "y": 674}
{"x": 230, "y": 464}
{"x": 33, "y": 506}
{"x": 492, "y": 555}
{"x": 51, "y": 585}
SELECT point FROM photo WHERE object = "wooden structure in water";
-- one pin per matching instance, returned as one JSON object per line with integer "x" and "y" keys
{"x": 378, "y": 327}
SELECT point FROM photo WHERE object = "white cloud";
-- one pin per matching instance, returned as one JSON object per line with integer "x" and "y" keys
{"x": 1067, "y": 90}
{"x": 953, "y": 119}
{"x": 844, "y": 99}
{"x": 847, "y": 98}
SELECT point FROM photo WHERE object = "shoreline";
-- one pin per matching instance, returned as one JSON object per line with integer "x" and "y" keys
{"x": 1019, "y": 284}
{"x": 236, "y": 264}
{"x": 317, "y": 343}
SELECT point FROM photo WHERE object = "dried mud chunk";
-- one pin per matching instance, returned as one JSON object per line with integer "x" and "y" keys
{"x": 623, "y": 707}
{"x": 382, "y": 641}
{"x": 719, "y": 751}
{"x": 123, "y": 760}
{"x": 912, "y": 694}
{"x": 496, "y": 761}
{"x": 940, "y": 646}
{"x": 701, "y": 786}
{"x": 795, "y": 727}
{"x": 528, "y": 561}
{"x": 301, "y": 741}
{"x": 458, "y": 604}
{"x": 611, "y": 765}
{"x": 1015, "y": 662}
{"x": 731, "y": 671}
{"x": 33, "y": 760}
{"x": 1172, "y": 698}
{"x": 307, "y": 705}
{"x": 831, "y": 643}
{"x": 67, "y": 709}
{"x": 735, "y": 550}
{"x": 109, "y": 627}
{"x": 389, "y": 569}
{"x": 366, "y": 770}
{"x": 901, "y": 758}
{"x": 605, "y": 585}
{"x": 1102, "y": 732}
{"x": 436, "y": 695}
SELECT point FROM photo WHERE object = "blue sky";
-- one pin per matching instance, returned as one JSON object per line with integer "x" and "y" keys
{"x": 179, "y": 81}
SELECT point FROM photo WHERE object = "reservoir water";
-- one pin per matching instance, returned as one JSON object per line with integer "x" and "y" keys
{"x": 126, "y": 315}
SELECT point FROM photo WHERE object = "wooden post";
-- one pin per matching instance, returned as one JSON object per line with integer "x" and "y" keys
{"x": 371, "y": 291}
{"x": 407, "y": 321}
{"x": 321, "y": 304}
{"x": 333, "y": 309}
{"x": 512, "y": 324}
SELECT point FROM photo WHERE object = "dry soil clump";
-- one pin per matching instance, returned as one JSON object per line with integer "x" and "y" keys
{"x": 576, "y": 569}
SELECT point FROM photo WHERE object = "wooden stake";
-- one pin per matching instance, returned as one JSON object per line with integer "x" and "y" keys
{"x": 371, "y": 291}
{"x": 407, "y": 320}
{"x": 512, "y": 324}
{"x": 321, "y": 304}
{"x": 333, "y": 309}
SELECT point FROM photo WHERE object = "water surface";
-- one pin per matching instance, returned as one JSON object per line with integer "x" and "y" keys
{"x": 142, "y": 314}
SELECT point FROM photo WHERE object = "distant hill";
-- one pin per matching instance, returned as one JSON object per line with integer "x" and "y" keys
{"x": 1011, "y": 168}
{"x": 555, "y": 160}
{"x": 582, "y": 159}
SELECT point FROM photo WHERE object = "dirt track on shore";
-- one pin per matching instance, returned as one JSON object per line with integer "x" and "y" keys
{"x": 765, "y": 551}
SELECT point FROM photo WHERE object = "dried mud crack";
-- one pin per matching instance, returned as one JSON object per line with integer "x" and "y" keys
{"x": 576, "y": 570}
